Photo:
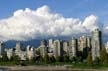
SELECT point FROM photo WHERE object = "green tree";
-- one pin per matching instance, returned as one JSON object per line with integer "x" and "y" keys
{"x": 97, "y": 61}
{"x": 89, "y": 59}
{"x": 79, "y": 59}
{"x": 66, "y": 58}
{"x": 45, "y": 58}
{"x": 0, "y": 59}
{"x": 73, "y": 59}
{"x": 103, "y": 56}
{"x": 38, "y": 51}
{"x": 58, "y": 59}
{"x": 5, "y": 58}
{"x": 51, "y": 59}
{"x": 15, "y": 58}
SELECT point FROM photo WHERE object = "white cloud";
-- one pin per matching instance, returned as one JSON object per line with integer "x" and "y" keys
{"x": 105, "y": 29}
{"x": 29, "y": 24}
{"x": 91, "y": 22}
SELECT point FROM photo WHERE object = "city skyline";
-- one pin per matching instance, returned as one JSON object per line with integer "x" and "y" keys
{"x": 75, "y": 47}
{"x": 53, "y": 35}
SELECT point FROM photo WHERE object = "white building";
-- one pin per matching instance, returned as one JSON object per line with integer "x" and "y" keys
{"x": 30, "y": 52}
{"x": 58, "y": 48}
{"x": 51, "y": 46}
{"x": 10, "y": 52}
{"x": 66, "y": 48}
{"x": 73, "y": 47}
{"x": 19, "y": 52}
{"x": 96, "y": 43}
{"x": 106, "y": 47}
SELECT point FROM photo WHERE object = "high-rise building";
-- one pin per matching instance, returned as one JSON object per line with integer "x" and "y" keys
{"x": 50, "y": 46}
{"x": 43, "y": 48}
{"x": 58, "y": 48}
{"x": 43, "y": 42}
{"x": 51, "y": 43}
{"x": 84, "y": 46}
{"x": 10, "y": 53}
{"x": 22, "y": 55}
{"x": 30, "y": 52}
{"x": 96, "y": 43}
{"x": 2, "y": 49}
{"x": 66, "y": 48}
{"x": 89, "y": 42}
{"x": 19, "y": 52}
{"x": 106, "y": 47}
{"x": 82, "y": 43}
{"x": 73, "y": 47}
{"x": 18, "y": 46}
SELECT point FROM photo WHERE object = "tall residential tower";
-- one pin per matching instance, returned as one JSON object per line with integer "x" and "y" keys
{"x": 96, "y": 43}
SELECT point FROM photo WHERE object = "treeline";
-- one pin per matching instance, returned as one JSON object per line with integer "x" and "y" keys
{"x": 103, "y": 59}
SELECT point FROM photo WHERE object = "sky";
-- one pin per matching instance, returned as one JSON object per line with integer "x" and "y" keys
{"x": 68, "y": 8}
{"x": 29, "y": 19}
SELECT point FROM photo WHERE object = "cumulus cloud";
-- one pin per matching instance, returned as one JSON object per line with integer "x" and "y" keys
{"x": 42, "y": 22}
{"x": 105, "y": 29}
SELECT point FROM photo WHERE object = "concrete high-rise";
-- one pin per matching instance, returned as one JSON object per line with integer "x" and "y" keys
{"x": 96, "y": 43}
{"x": 51, "y": 42}
{"x": 82, "y": 43}
{"x": 73, "y": 47}
{"x": 19, "y": 52}
{"x": 18, "y": 46}
{"x": 66, "y": 48}
{"x": 43, "y": 48}
{"x": 10, "y": 52}
{"x": 89, "y": 42}
{"x": 58, "y": 48}
{"x": 30, "y": 52}
{"x": 84, "y": 46}
{"x": 2, "y": 49}
{"x": 106, "y": 47}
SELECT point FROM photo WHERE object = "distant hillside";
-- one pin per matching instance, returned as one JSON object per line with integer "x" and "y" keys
{"x": 12, "y": 43}
{"x": 36, "y": 42}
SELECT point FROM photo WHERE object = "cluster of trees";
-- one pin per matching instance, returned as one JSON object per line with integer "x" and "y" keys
{"x": 4, "y": 58}
{"x": 103, "y": 59}
{"x": 66, "y": 59}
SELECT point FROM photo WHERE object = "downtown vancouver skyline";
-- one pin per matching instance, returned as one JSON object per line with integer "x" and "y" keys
{"x": 39, "y": 19}
{"x": 50, "y": 31}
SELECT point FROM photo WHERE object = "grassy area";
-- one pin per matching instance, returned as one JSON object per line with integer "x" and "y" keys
{"x": 86, "y": 66}
{"x": 9, "y": 63}
{"x": 68, "y": 64}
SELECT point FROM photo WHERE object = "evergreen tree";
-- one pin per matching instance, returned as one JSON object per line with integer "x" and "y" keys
{"x": 51, "y": 59}
{"x": 97, "y": 60}
{"x": 58, "y": 59}
{"x": 66, "y": 58}
{"x": 89, "y": 59}
{"x": 15, "y": 58}
{"x": 45, "y": 58}
{"x": 103, "y": 56}
{"x": 38, "y": 51}
{"x": 73, "y": 59}
{"x": 0, "y": 59}
{"x": 5, "y": 58}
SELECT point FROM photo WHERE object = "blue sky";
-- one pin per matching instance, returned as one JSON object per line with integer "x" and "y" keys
{"x": 30, "y": 19}
{"x": 68, "y": 8}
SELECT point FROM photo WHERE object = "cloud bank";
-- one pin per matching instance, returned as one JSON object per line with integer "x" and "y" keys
{"x": 42, "y": 22}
